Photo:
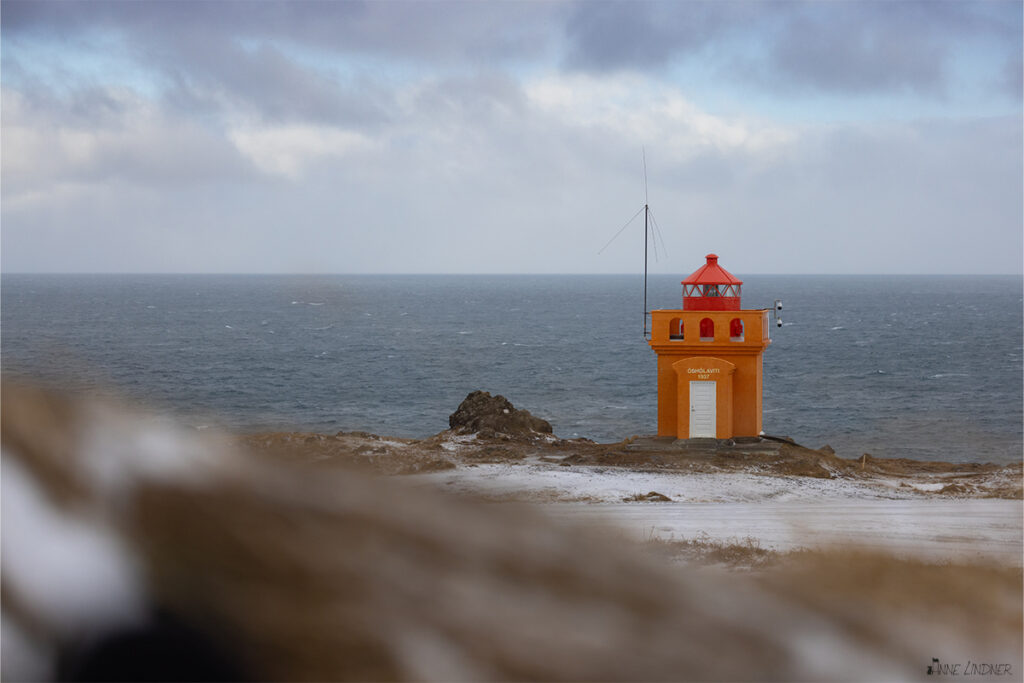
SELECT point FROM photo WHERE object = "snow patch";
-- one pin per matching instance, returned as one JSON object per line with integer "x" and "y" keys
{"x": 602, "y": 484}
{"x": 454, "y": 442}
{"x": 781, "y": 513}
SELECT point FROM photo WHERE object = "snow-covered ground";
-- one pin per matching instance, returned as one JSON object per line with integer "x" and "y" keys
{"x": 547, "y": 482}
{"x": 975, "y": 530}
{"x": 780, "y": 513}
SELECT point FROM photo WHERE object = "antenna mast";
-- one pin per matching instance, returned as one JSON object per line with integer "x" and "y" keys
{"x": 646, "y": 212}
{"x": 649, "y": 223}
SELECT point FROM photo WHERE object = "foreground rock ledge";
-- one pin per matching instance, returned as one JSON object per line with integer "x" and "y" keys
{"x": 452, "y": 449}
{"x": 488, "y": 429}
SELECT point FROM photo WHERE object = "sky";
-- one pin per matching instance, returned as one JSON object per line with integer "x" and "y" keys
{"x": 511, "y": 137}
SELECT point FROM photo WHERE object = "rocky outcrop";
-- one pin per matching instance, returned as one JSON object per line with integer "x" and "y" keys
{"x": 481, "y": 412}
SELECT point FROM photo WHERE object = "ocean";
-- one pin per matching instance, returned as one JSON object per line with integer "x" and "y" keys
{"x": 925, "y": 367}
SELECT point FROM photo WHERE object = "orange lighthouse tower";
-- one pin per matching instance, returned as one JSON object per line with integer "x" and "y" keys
{"x": 709, "y": 359}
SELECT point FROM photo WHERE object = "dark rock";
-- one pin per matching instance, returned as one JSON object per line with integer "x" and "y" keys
{"x": 651, "y": 497}
{"x": 360, "y": 435}
{"x": 481, "y": 412}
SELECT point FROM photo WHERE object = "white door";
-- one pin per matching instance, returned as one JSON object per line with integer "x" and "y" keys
{"x": 702, "y": 409}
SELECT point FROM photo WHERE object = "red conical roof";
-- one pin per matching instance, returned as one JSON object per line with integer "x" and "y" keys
{"x": 712, "y": 274}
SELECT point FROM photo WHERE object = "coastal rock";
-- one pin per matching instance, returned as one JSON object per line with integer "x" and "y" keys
{"x": 481, "y": 412}
{"x": 650, "y": 497}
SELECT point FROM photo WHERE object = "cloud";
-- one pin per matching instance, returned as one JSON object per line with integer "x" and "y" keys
{"x": 265, "y": 83}
{"x": 871, "y": 47}
{"x": 288, "y": 150}
{"x": 450, "y": 137}
{"x": 102, "y": 136}
{"x": 923, "y": 197}
{"x": 631, "y": 35}
{"x": 405, "y": 29}
{"x": 1011, "y": 80}
{"x": 850, "y": 48}
{"x": 280, "y": 59}
{"x": 335, "y": 63}
{"x": 636, "y": 111}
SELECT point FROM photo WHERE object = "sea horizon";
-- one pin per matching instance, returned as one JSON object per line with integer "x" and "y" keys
{"x": 860, "y": 364}
{"x": 496, "y": 274}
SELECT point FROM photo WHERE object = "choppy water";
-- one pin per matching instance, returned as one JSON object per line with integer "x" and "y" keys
{"x": 899, "y": 366}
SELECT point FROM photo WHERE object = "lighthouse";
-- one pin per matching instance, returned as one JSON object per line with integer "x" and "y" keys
{"x": 710, "y": 359}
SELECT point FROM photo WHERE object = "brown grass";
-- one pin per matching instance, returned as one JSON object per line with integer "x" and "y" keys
{"x": 732, "y": 553}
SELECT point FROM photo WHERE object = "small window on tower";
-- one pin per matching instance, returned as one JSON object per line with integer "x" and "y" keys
{"x": 711, "y": 290}
{"x": 707, "y": 329}
{"x": 675, "y": 329}
{"x": 736, "y": 330}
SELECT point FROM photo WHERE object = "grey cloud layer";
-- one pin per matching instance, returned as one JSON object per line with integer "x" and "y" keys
{"x": 411, "y": 30}
{"x": 482, "y": 137}
{"x": 853, "y": 47}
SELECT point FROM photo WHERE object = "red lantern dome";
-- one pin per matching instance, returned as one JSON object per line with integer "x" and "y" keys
{"x": 711, "y": 288}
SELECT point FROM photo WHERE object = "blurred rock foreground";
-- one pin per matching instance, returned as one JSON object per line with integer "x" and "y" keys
{"x": 287, "y": 568}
